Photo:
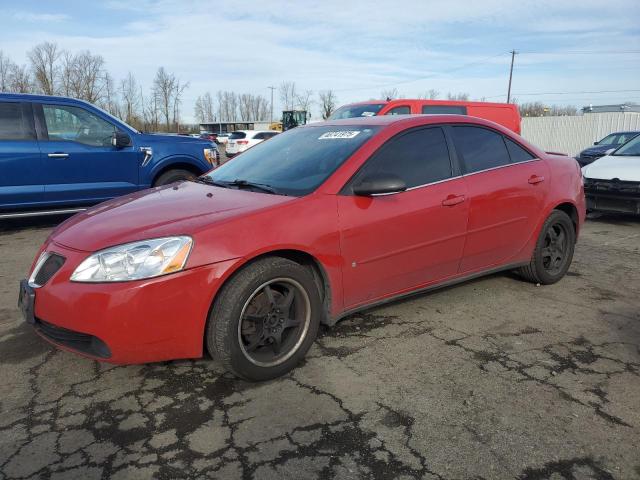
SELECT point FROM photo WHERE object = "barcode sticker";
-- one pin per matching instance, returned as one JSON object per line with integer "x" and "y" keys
{"x": 339, "y": 135}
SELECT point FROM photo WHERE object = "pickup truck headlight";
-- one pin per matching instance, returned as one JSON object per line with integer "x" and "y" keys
{"x": 135, "y": 261}
{"x": 210, "y": 155}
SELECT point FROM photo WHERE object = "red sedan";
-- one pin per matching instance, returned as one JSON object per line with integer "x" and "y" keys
{"x": 315, "y": 224}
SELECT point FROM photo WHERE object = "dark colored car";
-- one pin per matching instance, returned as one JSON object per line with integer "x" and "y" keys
{"x": 62, "y": 154}
{"x": 611, "y": 141}
{"x": 310, "y": 226}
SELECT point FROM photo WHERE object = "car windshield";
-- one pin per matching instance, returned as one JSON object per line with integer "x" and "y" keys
{"x": 352, "y": 111}
{"x": 629, "y": 149}
{"x": 608, "y": 140}
{"x": 295, "y": 162}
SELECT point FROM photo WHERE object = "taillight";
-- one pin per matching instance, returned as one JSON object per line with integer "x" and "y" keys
{"x": 242, "y": 142}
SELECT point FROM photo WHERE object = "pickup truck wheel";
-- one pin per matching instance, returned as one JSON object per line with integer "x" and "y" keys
{"x": 554, "y": 250}
{"x": 174, "y": 175}
{"x": 265, "y": 319}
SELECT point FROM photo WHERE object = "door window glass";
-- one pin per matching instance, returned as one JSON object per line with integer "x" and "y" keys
{"x": 77, "y": 125}
{"x": 11, "y": 125}
{"x": 403, "y": 110}
{"x": 480, "y": 148}
{"x": 418, "y": 157}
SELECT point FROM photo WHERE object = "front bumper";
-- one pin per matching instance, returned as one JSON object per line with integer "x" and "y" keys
{"x": 127, "y": 322}
{"x": 612, "y": 196}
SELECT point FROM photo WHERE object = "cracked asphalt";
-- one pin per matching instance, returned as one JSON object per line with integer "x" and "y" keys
{"x": 492, "y": 379}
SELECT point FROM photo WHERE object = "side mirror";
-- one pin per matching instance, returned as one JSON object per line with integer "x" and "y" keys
{"x": 120, "y": 140}
{"x": 596, "y": 143}
{"x": 379, "y": 183}
{"x": 610, "y": 151}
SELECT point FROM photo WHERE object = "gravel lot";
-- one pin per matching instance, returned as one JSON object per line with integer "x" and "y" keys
{"x": 495, "y": 378}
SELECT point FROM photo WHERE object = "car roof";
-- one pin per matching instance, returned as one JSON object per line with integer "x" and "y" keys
{"x": 623, "y": 132}
{"x": 39, "y": 98}
{"x": 426, "y": 119}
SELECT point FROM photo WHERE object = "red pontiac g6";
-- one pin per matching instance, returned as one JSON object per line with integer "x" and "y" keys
{"x": 314, "y": 224}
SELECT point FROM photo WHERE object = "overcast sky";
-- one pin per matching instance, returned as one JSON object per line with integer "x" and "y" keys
{"x": 357, "y": 48}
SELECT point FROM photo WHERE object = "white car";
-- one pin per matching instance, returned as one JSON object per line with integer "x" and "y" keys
{"x": 242, "y": 140}
{"x": 222, "y": 138}
{"x": 612, "y": 183}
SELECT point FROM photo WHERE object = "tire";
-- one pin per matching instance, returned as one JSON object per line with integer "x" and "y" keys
{"x": 173, "y": 175}
{"x": 550, "y": 261}
{"x": 244, "y": 310}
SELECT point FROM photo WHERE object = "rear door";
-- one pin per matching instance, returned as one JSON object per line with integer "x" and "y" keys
{"x": 20, "y": 163}
{"x": 507, "y": 187}
{"x": 80, "y": 164}
{"x": 399, "y": 242}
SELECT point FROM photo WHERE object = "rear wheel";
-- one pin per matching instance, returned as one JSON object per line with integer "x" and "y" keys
{"x": 265, "y": 319}
{"x": 554, "y": 250}
{"x": 174, "y": 175}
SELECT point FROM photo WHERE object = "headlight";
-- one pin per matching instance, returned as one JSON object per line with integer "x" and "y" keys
{"x": 210, "y": 155}
{"x": 134, "y": 261}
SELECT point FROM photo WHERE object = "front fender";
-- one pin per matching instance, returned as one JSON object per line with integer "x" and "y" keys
{"x": 155, "y": 166}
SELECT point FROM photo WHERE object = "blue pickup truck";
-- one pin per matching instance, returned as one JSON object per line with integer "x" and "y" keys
{"x": 60, "y": 154}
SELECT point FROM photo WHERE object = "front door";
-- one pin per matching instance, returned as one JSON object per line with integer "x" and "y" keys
{"x": 399, "y": 242}
{"x": 80, "y": 164}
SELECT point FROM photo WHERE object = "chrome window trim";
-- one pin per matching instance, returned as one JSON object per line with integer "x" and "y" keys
{"x": 501, "y": 166}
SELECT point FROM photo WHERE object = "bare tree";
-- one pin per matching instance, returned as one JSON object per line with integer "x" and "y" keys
{"x": 20, "y": 80}
{"x": 539, "y": 109}
{"x": 458, "y": 96}
{"x": 304, "y": 100}
{"x": 245, "y": 102}
{"x": 288, "y": 95}
{"x": 44, "y": 65}
{"x": 110, "y": 98}
{"x": 431, "y": 94}
{"x": 6, "y": 68}
{"x": 164, "y": 87}
{"x": 260, "y": 108}
{"x": 328, "y": 103}
{"x": 390, "y": 94}
{"x": 177, "y": 101}
{"x": 130, "y": 98}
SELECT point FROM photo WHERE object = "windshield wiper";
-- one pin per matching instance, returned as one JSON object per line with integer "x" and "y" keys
{"x": 209, "y": 181}
{"x": 240, "y": 183}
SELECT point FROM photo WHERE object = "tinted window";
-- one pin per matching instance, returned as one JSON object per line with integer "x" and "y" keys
{"x": 78, "y": 125}
{"x": 258, "y": 136}
{"x": 480, "y": 148}
{"x": 403, "y": 110}
{"x": 11, "y": 126}
{"x": 351, "y": 111}
{"x": 298, "y": 161}
{"x": 418, "y": 157}
{"x": 270, "y": 135}
{"x": 237, "y": 135}
{"x": 444, "y": 109}
{"x": 516, "y": 152}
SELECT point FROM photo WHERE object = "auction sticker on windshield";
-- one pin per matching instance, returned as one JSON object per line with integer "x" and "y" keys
{"x": 340, "y": 134}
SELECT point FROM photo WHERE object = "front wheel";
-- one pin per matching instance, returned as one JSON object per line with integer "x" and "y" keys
{"x": 173, "y": 175}
{"x": 265, "y": 319}
{"x": 554, "y": 250}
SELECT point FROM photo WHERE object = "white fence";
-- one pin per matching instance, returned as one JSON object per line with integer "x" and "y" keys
{"x": 573, "y": 134}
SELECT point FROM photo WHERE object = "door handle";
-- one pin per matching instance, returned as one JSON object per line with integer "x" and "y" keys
{"x": 452, "y": 200}
{"x": 534, "y": 179}
{"x": 58, "y": 155}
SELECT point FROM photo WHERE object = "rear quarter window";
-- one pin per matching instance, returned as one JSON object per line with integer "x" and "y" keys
{"x": 517, "y": 153}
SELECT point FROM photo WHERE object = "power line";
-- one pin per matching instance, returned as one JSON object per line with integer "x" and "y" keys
{"x": 565, "y": 93}
{"x": 583, "y": 52}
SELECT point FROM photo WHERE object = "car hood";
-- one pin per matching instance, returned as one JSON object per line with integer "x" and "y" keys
{"x": 174, "y": 139}
{"x": 182, "y": 209}
{"x": 596, "y": 149}
{"x": 614, "y": 166}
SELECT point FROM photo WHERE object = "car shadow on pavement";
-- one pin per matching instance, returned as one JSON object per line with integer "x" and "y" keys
{"x": 14, "y": 224}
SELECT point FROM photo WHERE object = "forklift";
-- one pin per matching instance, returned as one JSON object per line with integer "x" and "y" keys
{"x": 290, "y": 119}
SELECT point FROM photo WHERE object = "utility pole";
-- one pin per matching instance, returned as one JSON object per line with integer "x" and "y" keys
{"x": 513, "y": 56}
{"x": 272, "y": 89}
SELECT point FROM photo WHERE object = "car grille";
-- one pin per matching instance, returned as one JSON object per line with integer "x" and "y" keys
{"x": 48, "y": 269}
{"x": 616, "y": 187}
{"x": 81, "y": 342}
